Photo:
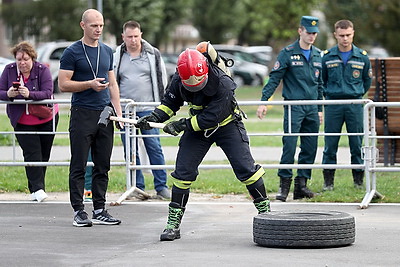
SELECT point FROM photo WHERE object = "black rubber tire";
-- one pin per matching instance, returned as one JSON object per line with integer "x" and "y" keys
{"x": 304, "y": 229}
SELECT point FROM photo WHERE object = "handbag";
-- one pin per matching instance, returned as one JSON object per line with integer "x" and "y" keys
{"x": 40, "y": 111}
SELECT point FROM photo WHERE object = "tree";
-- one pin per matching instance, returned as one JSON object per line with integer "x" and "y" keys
{"x": 273, "y": 22}
{"x": 48, "y": 20}
{"x": 156, "y": 17}
{"x": 218, "y": 21}
{"x": 174, "y": 13}
{"x": 147, "y": 12}
{"x": 376, "y": 22}
{"x": 45, "y": 20}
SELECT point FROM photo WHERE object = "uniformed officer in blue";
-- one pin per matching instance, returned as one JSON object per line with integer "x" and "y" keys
{"x": 346, "y": 72}
{"x": 299, "y": 66}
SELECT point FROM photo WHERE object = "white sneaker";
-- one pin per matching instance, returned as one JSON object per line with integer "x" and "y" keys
{"x": 40, "y": 195}
{"x": 33, "y": 197}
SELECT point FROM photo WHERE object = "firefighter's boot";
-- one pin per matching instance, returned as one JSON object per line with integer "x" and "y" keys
{"x": 329, "y": 177}
{"x": 172, "y": 231}
{"x": 358, "y": 178}
{"x": 284, "y": 188}
{"x": 262, "y": 205}
{"x": 300, "y": 189}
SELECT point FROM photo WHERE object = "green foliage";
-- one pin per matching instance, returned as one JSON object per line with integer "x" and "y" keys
{"x": 273, "y": 22}
{"x": 147, "y": 12}
{"x": 156, "y": 18}
{"x": 5, "y": 126}
{"x": 13, "y": 179}
{"x": 174, "y": 13}
{"x": 218, "y": 21}
{"x": 376, "y": 22}
{"x": 217, "y": 182}
{"x": 47, "y": 20}
{"x": 250, "y": 22}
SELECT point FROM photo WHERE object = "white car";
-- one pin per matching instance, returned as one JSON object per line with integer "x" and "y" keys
{"x": 3, "y": 62}
{"x": 50, "y": 55}
{"x": 247, "y": 53}
{"x": 246, "y": 73}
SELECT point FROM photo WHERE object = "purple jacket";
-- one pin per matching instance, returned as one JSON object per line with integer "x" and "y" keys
{"x": 39, "y": 84}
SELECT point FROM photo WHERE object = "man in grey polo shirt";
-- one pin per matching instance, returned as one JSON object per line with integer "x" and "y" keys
{"x": 141, "y": 76}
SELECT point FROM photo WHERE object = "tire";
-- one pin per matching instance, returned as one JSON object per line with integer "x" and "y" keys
{"x": 304, "y": 229}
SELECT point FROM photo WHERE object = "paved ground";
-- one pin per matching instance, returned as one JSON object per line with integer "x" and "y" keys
{"x": 214, "y": 233}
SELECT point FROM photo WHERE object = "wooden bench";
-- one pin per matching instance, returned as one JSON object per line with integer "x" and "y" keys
{"x": 386, "y": 88}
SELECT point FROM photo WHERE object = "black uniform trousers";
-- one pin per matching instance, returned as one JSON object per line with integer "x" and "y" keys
{"x": 36, "y": 147}
{"x": 85, "y": 133}
{"x": 233, "y": 140}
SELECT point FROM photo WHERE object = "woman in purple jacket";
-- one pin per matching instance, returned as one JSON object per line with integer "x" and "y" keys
{"x": 27, "y": 79}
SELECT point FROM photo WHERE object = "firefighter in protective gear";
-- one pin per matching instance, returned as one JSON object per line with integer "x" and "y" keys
{"x": 214, "y": 118}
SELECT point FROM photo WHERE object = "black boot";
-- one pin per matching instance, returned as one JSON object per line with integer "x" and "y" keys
{"x": 329, "y": 176}
{"x": 284, "y": 189}
{"x": 262, "y": 205}
{"x": 358, "y": 178}
{"x": 172, "y": 231}
{"x": 300, "y": 189}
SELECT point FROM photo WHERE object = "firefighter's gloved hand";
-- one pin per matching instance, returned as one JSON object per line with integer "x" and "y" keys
{"x": 143, "y": 122}
{"x": 175, "y": 127}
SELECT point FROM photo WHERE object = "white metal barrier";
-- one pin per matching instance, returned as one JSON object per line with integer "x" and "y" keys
{"x": 370, "y": 150}
{"x": 15, "y": 162}
{"x": 131, "y": 135}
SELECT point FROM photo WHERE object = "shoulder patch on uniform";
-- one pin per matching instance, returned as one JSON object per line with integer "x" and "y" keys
{"x": 277, "y": 65}
{"x": 364, "y": 52}
{"x": 289, "y": 48}
{"x": 326, "y": 52}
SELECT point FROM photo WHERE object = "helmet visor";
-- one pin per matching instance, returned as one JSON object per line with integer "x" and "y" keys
{"x": 194, "y": 85}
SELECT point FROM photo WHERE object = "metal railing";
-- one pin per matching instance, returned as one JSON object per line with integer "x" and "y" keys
{"x": 371, "y": 152}
{"x": 131, "y": 135}
{"x": 369, "y": 149}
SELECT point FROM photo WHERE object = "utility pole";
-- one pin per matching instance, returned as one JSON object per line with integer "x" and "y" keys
{"x": 100, "y": 6}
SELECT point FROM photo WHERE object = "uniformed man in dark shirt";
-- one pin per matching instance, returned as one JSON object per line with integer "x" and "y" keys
{"x": 299, "y": 67}
{"x": 346, "y": 72}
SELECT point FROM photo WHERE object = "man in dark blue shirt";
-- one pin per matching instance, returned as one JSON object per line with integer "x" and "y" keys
{"x": 86, "y": 70}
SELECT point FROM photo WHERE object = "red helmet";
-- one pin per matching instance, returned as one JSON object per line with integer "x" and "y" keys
{"x": 193, "y": 70}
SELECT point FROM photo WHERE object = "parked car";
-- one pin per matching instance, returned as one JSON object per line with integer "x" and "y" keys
{"x": 170, "y": 63}
{"x": 243, "y": 72}
{"x": 246, "y": 73}
{"x": 3, "y": 62}
{"x": 243, "y": 53}
{"x": 378, "y": 52}
{"x": 50, "y": 55}
{"x": 263, "y": 53}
